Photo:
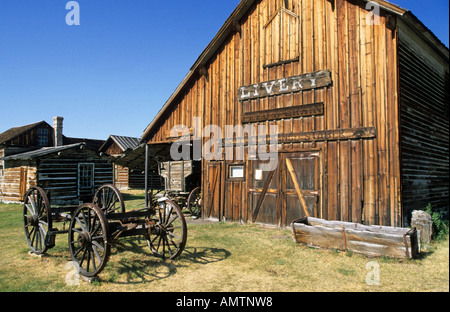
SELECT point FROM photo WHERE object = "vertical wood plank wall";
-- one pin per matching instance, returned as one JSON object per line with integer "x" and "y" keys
{"x": 361, "y": 178}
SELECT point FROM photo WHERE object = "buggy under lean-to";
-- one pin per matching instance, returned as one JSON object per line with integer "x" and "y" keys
{"x": 94, "y": 227}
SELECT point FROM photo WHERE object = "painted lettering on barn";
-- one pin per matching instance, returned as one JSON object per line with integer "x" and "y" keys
{"x": 293, "y": 84}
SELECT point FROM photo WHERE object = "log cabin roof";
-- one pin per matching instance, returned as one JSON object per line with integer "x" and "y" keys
{"x": 42, "y": 152}
{"x": 125, "y": 143}
{"x": 90, "y": 143}
{"x": 409, "y": 18}
{"x": 13, "y": 133}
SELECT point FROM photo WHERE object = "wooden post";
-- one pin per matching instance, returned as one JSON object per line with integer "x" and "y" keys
{"x": 146, "y": 176}
{"x": 297, "y": 187}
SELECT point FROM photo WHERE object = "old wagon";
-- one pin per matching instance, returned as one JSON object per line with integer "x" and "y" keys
{"x": 346, "y": 236}
{"x": 182, "y": 183}
{"x": 94, "y": 227}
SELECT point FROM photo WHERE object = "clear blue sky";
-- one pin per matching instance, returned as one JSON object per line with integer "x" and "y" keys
{"x": 113, "y": 73}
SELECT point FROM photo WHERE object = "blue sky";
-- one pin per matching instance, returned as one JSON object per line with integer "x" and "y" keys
{"x": 113, "y": 73}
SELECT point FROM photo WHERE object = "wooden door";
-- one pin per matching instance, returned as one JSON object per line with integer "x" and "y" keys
{"x": 23, "y": 182}
{"x": 300, "y": 185}
{"x": 214, "y": 191}
{"x": 264, "y": 195}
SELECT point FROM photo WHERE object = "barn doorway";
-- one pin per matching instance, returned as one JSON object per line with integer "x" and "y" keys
{"x": 290, "y": 192}
{"x": 301, "y": 185}
{"x": 264, "y": 194}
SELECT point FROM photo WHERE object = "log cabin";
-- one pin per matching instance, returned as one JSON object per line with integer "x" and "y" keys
{"x": 357, "y": 92}
{"x": 68, "y": 169}
{"x": 124, "y": 178}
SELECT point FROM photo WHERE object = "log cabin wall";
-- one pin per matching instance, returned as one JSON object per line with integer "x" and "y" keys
{"x": 16, "y": 181}
{"x": 359, "y": 178}
{"x": 60, "y": 175}
{"x": 424, "y": 107}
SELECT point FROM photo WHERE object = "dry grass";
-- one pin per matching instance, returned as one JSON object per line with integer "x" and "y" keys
{"x": 219, "y": 257}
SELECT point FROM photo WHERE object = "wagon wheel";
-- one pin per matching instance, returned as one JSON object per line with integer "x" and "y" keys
{"x": 109, "y": 199}
{"x": 37, "y": 219}
{"x": 167, "y": 237}
{"x": 88, "y": 240}
{"x": 194, "y": 202}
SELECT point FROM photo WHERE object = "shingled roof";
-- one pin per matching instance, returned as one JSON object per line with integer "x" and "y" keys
{"x": 13, "y": 133}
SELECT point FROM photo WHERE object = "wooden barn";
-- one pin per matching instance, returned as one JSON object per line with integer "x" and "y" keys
{"x": 359, "y": 93}
{"x": 69, "y": 169}
{"x": 124, "y": 178}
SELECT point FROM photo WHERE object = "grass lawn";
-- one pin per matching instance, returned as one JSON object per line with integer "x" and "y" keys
{"x": 221, "y": 257}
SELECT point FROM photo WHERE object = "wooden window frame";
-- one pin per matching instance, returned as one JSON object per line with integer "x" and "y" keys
{"x": 237, "y": 164}
{"x": 42, "y": 139}
{"x": 80, "y": 187}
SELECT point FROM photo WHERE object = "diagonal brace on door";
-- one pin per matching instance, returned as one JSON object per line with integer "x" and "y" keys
{"x": 297, "y": 187}
{"x": 263, "y": 194}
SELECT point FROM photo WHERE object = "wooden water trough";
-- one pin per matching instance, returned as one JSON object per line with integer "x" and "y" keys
{"x": 368, "y": 240}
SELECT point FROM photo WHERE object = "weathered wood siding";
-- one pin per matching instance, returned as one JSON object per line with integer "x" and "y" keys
{"x": 424, "y": 103}
{"x": 16, "y": 181}
{"x": 360, "y": 178}
{"x": 30, "y": 138}
{"x": 59, "y": 176}
{"x": 121, "y": 177}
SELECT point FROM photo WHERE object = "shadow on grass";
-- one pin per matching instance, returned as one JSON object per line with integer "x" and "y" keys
{"x": 127, "y": 197}
{"x": 139, "y": 265}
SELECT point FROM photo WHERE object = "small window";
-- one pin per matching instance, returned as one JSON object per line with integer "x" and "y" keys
{"x": 236, "y": 172}
{"x": 43, "y": 137}
{"x": 1, "y": 170}
{"x": 86, "y": 176}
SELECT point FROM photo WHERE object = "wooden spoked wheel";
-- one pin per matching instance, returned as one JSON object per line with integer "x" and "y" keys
{"x": 167, "y": 236}
{"x": 109, "y": 199}
{"x": 194, "y": 202}
{"x": 88, "y": 240}
{"x": 37, "y": 219}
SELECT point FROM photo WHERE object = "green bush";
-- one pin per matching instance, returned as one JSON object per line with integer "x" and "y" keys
{"x": 440, "y": 222}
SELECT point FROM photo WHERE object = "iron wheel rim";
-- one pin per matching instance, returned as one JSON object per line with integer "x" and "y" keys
{"x": 37, "y": 219}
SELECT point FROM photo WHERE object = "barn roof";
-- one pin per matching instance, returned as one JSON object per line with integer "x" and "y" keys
{"x": 242, "y": 9}
{"x": 13, "y": 133}
{"x": 125, "y": 143}
{"x": 42, "y": 152}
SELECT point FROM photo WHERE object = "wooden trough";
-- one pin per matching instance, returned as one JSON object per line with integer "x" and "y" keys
{"x": 369, "y": 240}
